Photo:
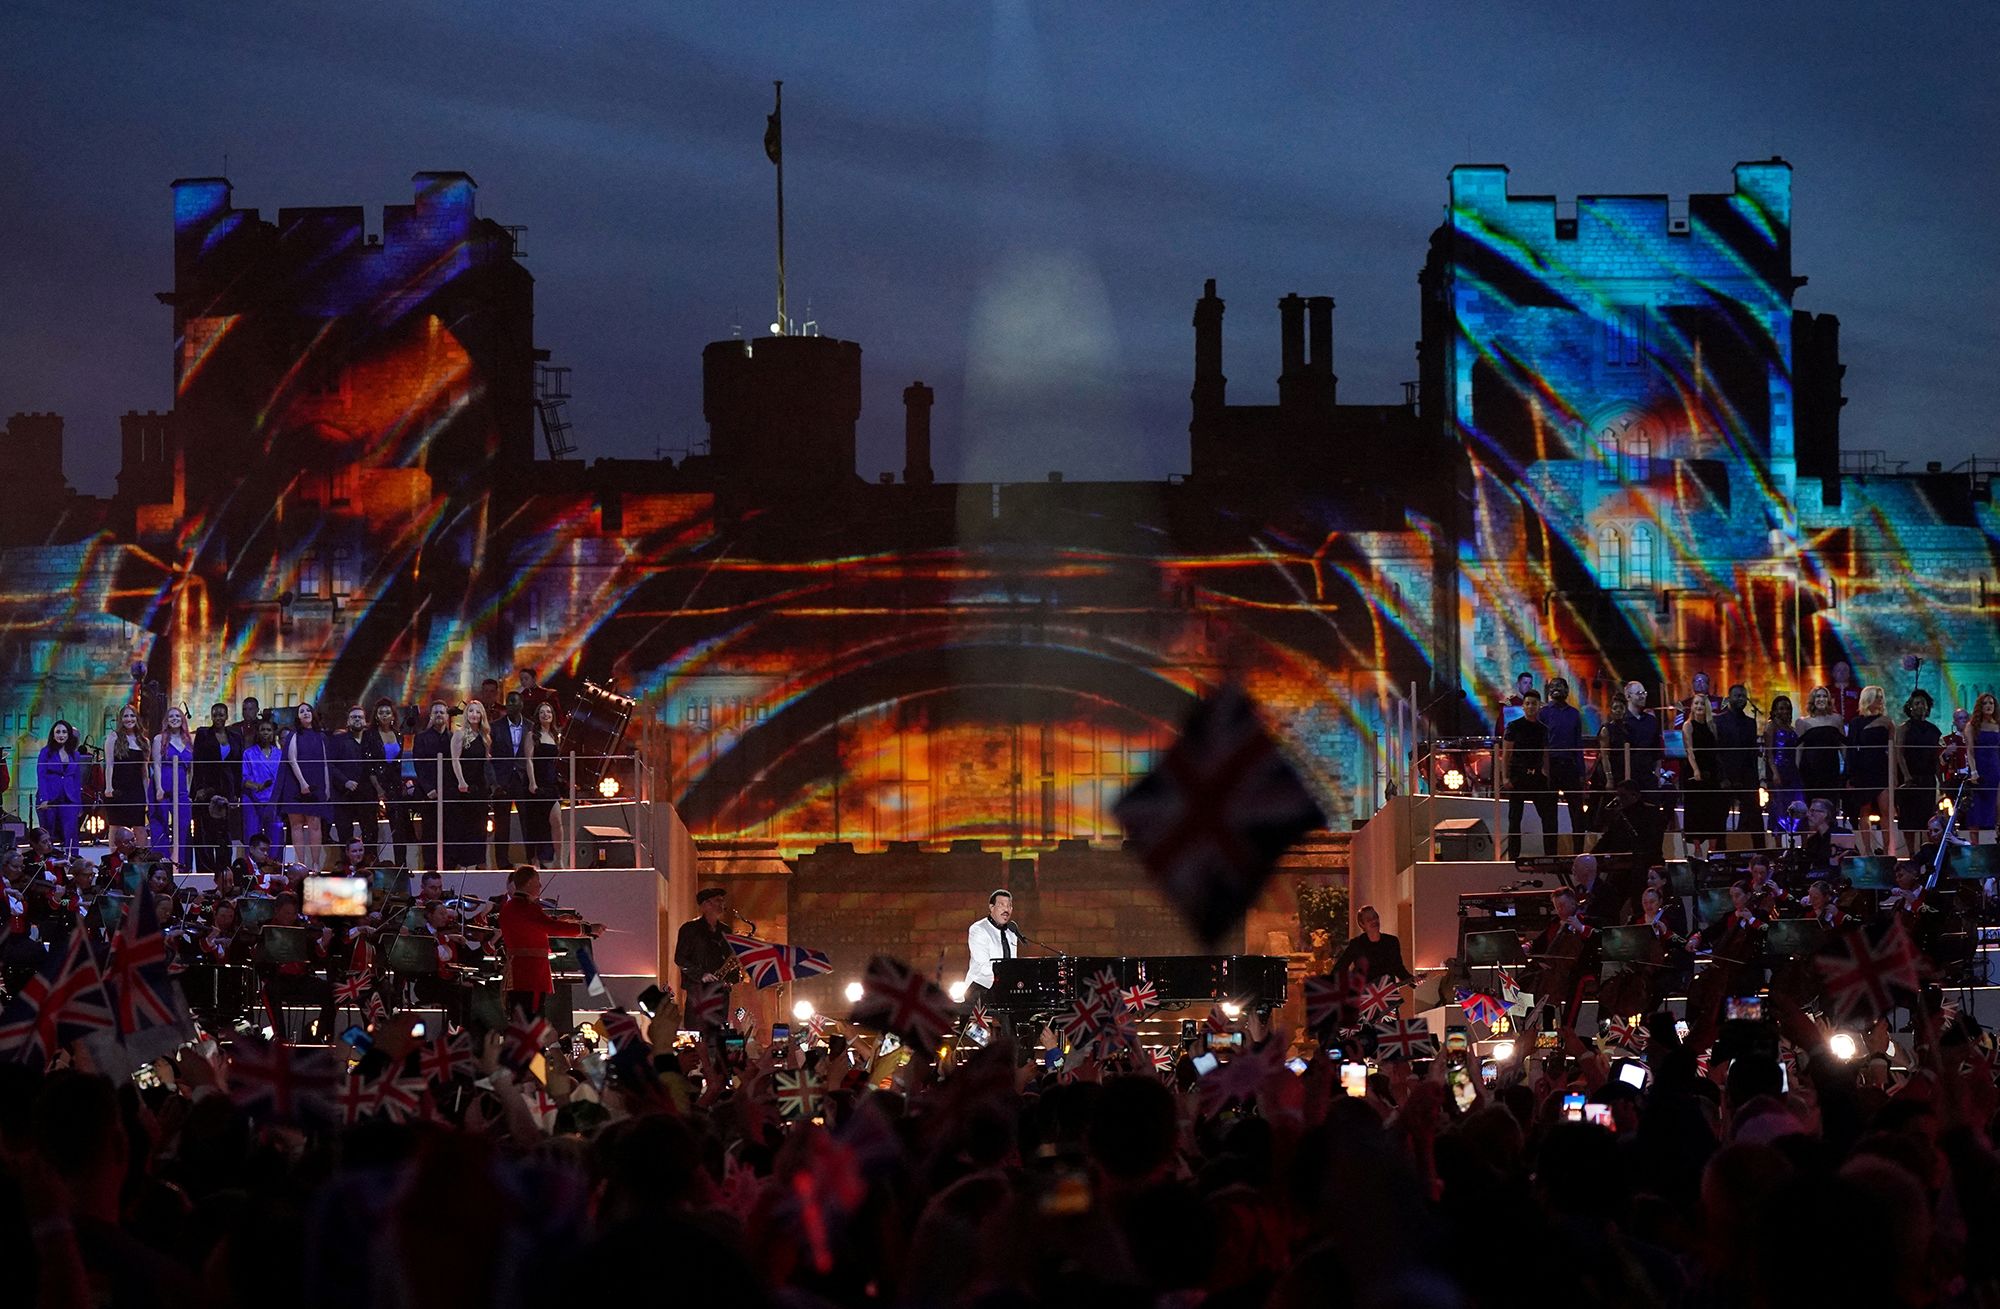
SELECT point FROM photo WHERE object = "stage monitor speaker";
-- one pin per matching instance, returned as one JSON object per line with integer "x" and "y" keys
{"x": 606, "y": 847}
{"x": 1462, "y": 840}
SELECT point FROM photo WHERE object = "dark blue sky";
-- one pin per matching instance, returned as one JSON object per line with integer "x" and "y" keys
{"x": 1015, "y": 202}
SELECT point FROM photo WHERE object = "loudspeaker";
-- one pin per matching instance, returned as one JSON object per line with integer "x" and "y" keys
{"x": 606, "y": 847}
{"x": 1462, "y": 840}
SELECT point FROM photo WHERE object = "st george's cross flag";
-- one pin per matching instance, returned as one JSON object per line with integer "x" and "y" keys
{"x": 1212, "y": 819}
{"x": 771, "y": 964}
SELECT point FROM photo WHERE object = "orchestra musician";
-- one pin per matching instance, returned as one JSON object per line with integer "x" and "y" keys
{"x": 1817, "y": 855}
{"x": 701, "y": 951}
{"x": 1735, "y": 944}
{"x": 296, "y": 981}
{"x": 1824, "y": 906}
{"x": 1765, "y": 894}
{"x": 526, "y": 924}
{"x": 992, "y": 936}
{"x": 1375, "y": 952}
{"x": 1564, "y": 956}
{"x": 1634, "y": 826}
{"x": 1598, "y": 902}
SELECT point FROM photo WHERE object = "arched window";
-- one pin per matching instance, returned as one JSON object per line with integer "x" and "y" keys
{"x": 1638, "y": 454}
{"x": 1607, "y": 455}
{"x": 1639, "y": 576}
{"x": 1610, "y": 559}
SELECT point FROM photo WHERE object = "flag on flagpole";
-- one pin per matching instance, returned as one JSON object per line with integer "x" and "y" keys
{"x": 774, "y": 134}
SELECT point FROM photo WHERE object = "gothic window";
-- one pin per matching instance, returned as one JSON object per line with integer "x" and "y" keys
{"x": 1640, "y": 574}
{"x": 1610, "y": 559}
{"x": 1625, "y": 336}
{"x": 1607, "y": 456}
{"x": 1638, "y": 454}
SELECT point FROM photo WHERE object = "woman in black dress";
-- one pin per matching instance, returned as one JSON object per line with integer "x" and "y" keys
{"x": 1705, "y": 806}
{"x": 126, "y": 758}
{"x": 470, "y": 783}
{"x": 546, "y": 785}
{"x": 1869, "y": 798}
{"x": 1822, "y": 748}
{"x": 1915, "y": 765}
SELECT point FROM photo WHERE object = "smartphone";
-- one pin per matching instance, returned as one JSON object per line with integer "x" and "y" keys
{"x": 1205, "y": 1063}
{"x": 1573, "y": 1107}
{"x": 1681, "y": 1028}
{"x": 1784, "y": 1079}
{"x": 1489, "y": 1071}
{"x": 416, "y": 1029}
{"x": 732, "y": 1050}
{"x": 1597, "y": 1115}
{"x": 1633, "y": 1074}
{"x": 1547, "y": 1039}
{"x": 1298, "y": 1067}
{"x": 780, "y": 1032}
{"x": 1748, "y": 1007}
{"x": 1190, "y": 1030}
{"x": 146, "y": 1076}
{"x": 1454, "y": 1040}
{"x": 1463, "y": 1093}
{"x": 1354, "y": 1079}
{"x": 977, "y": 1036}
{"x": 1051, "y": 1058}
{"x": 1225, "y": 1040}
{"x": 357, "y": 1036}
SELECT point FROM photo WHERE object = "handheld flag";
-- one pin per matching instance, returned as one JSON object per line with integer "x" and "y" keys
{"x": 895, "y": 999}
{"x": 62, "y": 1002}
{"x": 1480, "y": 1007}
{"x": 526, "y": 1038}
{"x": 771, "y": 964}
{"x": 1403, "y": 1038}
{"x": 1868, "y": 974}
{"x": 1213, "y": 818}
{"x": 280, "y": 1080}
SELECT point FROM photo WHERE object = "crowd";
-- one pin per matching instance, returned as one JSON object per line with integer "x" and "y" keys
{"x": 301, "y": 776}
{"x": 817, "y": 1172}
{"x": 1736, "y": 769}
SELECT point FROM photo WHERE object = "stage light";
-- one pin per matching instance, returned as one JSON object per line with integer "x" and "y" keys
{"x": 1764, "y": 797}
{"x": 608, "y": 787}
{"x": 803, "y": 1011}
{"x": 1843, "y": 1046}
{"x": 1503, "y": 1051}
{"x": 854, "y": 993}
{"x": 1454, "y": 780}
{"x": 776, "y": 330}
{"x": 957, "y": 991}
{"x": 1230, "y": 1009}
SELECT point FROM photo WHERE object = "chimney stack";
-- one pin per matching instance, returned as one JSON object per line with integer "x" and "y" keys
{"x": 917, "y": 400}
{"x": 1319, "y": 319}
{"x": 1292, "y": 332}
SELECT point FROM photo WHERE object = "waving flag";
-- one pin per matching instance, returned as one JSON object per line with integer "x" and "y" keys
{"x": 705, "y": 1007}
{"x": 142, "y": 994}
{"x": 1142, "y": 997}
{"x": 1212, "y": 819}
{"x": 351, "y": 989}
{"x": 444, "y": 1057}
{"x": 400, "y": 1099}
{"x": 1080, "y": 1026}
{"x": 895, "y": 999}
{"x": 526, "y": 1038}
{"x": 1624, "y": 1032}
{"x": 819, "y": 1025}
{"x": 798, "y": 1095}
{"x": 281, "y": 1081}
{"x": 1403, "y": 1038}
{"x": 61, "y": 1003}
{"x": 1480, "y": 1007}
{"x": 1105, "y": 989}
{"x": 1241, "y": 1079}
{"x": 1518, "y": 1002}
{"x": 357, "y": 1097}
{"x": 1373, "y": 999}
{"x": 1868, "y": 974}
{"x": 620, "y": 1028}
{"x": 771, "y": 964}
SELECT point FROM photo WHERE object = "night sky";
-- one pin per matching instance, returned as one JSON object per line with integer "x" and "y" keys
{"x": 1016, "y": 203}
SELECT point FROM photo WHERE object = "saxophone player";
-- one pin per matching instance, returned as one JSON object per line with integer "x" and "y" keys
{"x": 700, "y": 950}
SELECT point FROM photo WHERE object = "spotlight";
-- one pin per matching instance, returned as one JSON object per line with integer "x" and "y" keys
{"x": 1764, "y": 796}
{"x": 803, "y": 1011}
{"x": 1843, "y": 1046}
{"x": 1230, "y": 1009}
{"x": 854, "y": 993}
{"x": 1454, "y": 780}
{"x": 1503, "y": 1051}
{"x": 957, "y": 991}
{"x": 608, "y": 787}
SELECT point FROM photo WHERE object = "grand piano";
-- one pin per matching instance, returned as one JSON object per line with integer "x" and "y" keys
{"x": 1049, "y": 984}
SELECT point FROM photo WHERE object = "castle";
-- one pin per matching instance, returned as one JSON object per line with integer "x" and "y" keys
{"x": 1622, "y": 460}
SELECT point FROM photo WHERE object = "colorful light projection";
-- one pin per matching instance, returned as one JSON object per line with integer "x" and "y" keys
{"x": 347, "y": 506}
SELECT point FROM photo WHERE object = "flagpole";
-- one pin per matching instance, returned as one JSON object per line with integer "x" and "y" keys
{"x": 777, "y": 117}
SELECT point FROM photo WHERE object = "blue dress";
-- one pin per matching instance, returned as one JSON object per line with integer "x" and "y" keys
{"x": 1984, "y": 806}
{"x": 310, "y": 747}
{"x": 171, "y": 803}
{"x": 1787, "y": 786}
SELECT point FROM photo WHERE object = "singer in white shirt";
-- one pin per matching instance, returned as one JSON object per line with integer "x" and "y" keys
{"x": 989, "y": 938}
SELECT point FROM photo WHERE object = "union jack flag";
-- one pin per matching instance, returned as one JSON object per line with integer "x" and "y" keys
{"x": 1140, "y": 998}
{"x": 526, "y": 1038}
{"x": 896, "y": 999}
{"x": 771, "y": 964}
{"x": 1240, "y": 1080}
{"x": 1625, "y": 1032}
{"x": 1518, "y": 1002}
{"x": 357, "y": 1097}
{"x": 1086, "y": 1018}
{"x": 444, "y": 1057}
{"x": 63, "y": 1001}
{"x": 1217, "y": 1021}
{"x": 399, "y": 1098}
{"x": 798, "y": 1095}
{"x": 1403, "y": 1038}
{"x": 1105, "y": 990}
{"x": 1330, "y": 1001}
{"x": 978, "y": 1018}
{"x": 350, "y": 989}
{"x": 819, "y": 1025}
{"x": 279, "y": 1079}
{"x": 1480, "y": 1007}
{"x": 620, "y": 1028}
{"x": 1155, "y": 1059}
{"x": 376, "y": 1011}
{"x": 142, "y": 993}
{"x": 1213, "y": 818}
{"x": 705, "y": 1007}
{"x": 1870, "y": 973}
{"x": 1373, "y": 999}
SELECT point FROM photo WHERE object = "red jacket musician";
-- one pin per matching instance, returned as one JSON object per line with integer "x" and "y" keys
{"x": 526, "y": 925}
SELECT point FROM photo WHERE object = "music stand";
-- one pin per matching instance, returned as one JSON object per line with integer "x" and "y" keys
{"x": 1714, "y": 904}
{"x": 1972, "y": 863}
{"x": 1792, "y": 937}
{"x": 407, "y": 952}
{"x": 255, "y": 910}
{"x": 1625, "y": 945}
{"x": 1494, "y": 948}
{"x": 386, "y": 884}
{"x": 111, "y": 911}
{"x": 132, "y": 876}
{"x": 286, "y": 945}
{"x": 1873, "y": 872}
{"x": 1681, "y": 881}
{"x": 562, "y": 954}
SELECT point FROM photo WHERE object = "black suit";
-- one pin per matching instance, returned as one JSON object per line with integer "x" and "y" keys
{"x": 509, "y": 770}
{"x": 218, "y": 770}
{"x": 700, "y": 949}
{"x": 1376, "y": 959}
{"x": 430, "y": 751}
{"x": 347, "y": 774}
